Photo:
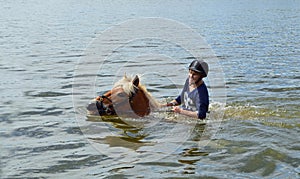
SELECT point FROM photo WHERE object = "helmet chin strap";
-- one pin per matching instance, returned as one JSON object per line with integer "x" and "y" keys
{"x": 196, "y": 82}
{"x": 200, "y": 79}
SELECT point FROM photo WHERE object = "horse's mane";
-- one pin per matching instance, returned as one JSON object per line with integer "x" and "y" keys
{"x": 129, "y": 88}
{"x": 126, "y": 84}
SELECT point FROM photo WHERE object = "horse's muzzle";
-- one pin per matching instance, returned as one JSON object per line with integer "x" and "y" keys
{"x": 99, "y": 108}
{"x": 92, "y": 108}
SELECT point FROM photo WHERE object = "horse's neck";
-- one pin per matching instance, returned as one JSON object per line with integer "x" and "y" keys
{"x": 140, "y": 104}
{"x": 152, "y": 101}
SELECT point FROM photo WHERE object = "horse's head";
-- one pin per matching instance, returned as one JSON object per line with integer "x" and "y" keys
{"x": 127, "y": 98}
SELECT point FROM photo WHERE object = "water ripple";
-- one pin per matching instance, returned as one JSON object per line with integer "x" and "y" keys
{"x": 68, "y": 164}
{"x": 31, "y": 131}
{"x": 45, "y": 94}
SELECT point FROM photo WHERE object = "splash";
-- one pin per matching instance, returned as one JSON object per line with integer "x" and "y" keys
{"x": 248, "y": 111}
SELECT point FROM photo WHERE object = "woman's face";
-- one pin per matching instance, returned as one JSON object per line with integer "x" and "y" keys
{"x": 194, "y": 76}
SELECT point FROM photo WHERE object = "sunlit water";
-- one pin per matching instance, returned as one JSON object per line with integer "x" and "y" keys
{"x": 257, "y": 44}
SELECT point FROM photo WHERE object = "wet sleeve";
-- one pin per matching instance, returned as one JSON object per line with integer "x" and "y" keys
{"x": 203, "y": 103}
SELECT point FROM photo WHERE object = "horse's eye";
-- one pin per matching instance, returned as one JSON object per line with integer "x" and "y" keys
{"x": 121, "y": 95}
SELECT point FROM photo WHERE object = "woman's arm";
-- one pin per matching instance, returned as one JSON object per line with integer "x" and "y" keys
{"x": 179, "y": 110}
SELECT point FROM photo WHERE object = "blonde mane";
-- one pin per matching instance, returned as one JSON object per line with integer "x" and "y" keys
{"x": 126, "y": 84}
{"x": 129, "y": 88}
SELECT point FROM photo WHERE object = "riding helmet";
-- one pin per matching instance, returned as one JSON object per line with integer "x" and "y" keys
{"x": 200, "y": 67}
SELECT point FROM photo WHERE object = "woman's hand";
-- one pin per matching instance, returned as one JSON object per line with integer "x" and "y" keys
{"x": 172, "y": 103}
{"x": 177, "y": 109}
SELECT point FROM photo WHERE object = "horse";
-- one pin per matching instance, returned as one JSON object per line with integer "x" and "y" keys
{"x": 127, "y": 98}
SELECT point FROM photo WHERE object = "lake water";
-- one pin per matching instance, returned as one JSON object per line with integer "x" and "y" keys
{"x": 49, "y": 74}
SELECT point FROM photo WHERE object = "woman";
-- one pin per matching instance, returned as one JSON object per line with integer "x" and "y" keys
{"x": 194, "y": 96}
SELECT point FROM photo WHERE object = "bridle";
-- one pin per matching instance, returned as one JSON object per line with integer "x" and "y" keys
{"x": 102, "y": 108}
{"x": 109, "y": 109}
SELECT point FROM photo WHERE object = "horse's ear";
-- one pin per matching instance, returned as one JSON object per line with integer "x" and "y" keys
{"x": 136, "y": 81}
